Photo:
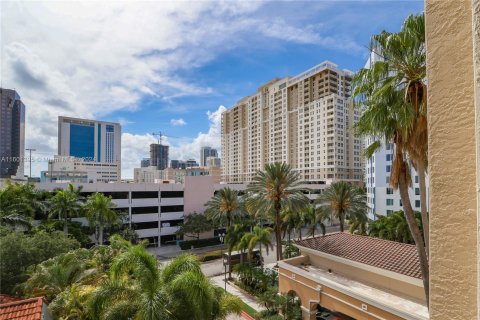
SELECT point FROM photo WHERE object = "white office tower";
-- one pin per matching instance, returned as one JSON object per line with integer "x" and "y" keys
{"x": 305, "y": 121}
{"x": 94, "y": 144}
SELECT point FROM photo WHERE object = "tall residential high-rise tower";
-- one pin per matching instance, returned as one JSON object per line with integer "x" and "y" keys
{"x": 12, "y": 134}
{"x": 304, "y": 121}
{"x": 206, "y": 152}
{"x": 159, "y": 156}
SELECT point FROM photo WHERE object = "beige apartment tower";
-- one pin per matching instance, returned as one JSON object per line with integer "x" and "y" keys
{"x": 305, "y": 121}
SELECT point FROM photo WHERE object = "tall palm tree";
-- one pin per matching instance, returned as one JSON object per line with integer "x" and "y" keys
{"x": 260, "y": 236}
{"x": 315, "y": 216}
{"x": 344, "y": 202}
{"x": 232, "y": 239}
{"x": 65, "y": 204}
{"x": 100, "y": 214}
{"x": 274, "y": 189}
{"x": 223, "y": 209}
{"x": 289, "y": 223}
{"x": 393, "y": 92}
{"x": 138, "y": 289}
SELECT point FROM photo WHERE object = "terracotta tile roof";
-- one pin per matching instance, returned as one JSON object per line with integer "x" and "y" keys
{"x": 5, "y": 298}
{"x": 28, "y": 309}
{"x": 389, "y": 255}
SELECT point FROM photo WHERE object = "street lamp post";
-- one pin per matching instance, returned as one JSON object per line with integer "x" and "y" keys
{"x": 225, "y": 260}
{"x": 30, "y": 149}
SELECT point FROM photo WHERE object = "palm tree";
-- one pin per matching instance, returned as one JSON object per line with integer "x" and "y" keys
{"x": 289, "y": 222}
{"x": 100, "y": 214}
{"x": 259, "y": 236}
{"x": 56, "y": 275}
{"x": 65, "y": 204}
{"x": 274, "y": 189}
{"x": 223, "y": 209}
{"x": 138, "y": 289}
{"x": 315, "y": 216}
{"x": 232, "y": 240}
{"x": 18, "y": 205}
{"x": 344, "y": 202}
{"x": 393, "y": 93}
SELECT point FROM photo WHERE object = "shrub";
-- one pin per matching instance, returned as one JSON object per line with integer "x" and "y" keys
{"x": 186, "y": 245}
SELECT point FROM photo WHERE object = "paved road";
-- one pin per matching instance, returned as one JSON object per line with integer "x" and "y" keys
{"x": 215, "y": 267}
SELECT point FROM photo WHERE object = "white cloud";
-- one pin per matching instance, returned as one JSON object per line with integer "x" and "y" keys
{"x": 136, "y": 147}
{"x": 90, "y": 59}
{"x": 178, "y": 122}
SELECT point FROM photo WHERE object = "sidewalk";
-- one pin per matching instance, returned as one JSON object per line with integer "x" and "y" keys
{"x": 250, "y": 300}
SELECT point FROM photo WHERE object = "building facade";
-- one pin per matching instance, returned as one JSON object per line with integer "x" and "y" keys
{"x": 159, "y": 156}
{"x": 90, "y": 140}
{"x": 304, "y": 121}
{"x": 213, "y": 162}
{"x": 145, "y": 162}
{"x": 12, "y": 134}
{"x": 155, "y": 210}
{"x": 177, "y": 164}
{"x": 190, "y": 163}
{"x": 73, "y": 169}
{"x": 382, "y": 199}
{"x": 147, "y": 175}
{"x": 206, "y": 152}
{"x": 346, "y": 276}
{"x": 452, "y": 30}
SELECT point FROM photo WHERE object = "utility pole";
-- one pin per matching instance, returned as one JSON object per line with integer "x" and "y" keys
{"x": 30, "y": 149}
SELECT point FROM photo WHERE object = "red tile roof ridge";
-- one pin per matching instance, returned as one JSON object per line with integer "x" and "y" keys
{"x": 359, "y": 235}
{"x": 23, "y": 301}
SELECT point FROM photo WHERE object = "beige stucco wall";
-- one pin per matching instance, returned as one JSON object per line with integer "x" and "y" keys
{"x": 410, "y": 290}
{"x": 452, "y": 159}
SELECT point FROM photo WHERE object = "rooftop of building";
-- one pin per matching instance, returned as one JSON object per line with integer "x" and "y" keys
{"x": 28, "y": 309}
{"x": 393, "y": 256}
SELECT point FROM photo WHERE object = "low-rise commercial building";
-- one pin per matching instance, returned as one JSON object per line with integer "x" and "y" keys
{"x": 73, "y": 169}
{"x": 351, "y": 276}
{"x": 155, "y": 210}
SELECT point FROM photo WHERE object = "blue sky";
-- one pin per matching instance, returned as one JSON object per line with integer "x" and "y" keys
{"x": 150, "y": 65}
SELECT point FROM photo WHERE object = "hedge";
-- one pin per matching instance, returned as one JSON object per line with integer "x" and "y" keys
{"x": 186, "y": 245}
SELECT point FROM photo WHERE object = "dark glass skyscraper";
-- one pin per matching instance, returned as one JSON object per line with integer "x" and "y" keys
{"x": 159, "y": 156}
{"x": 12, "y": 134}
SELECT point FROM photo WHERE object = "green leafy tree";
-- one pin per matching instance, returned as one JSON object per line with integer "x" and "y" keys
{"x": 273, "y": 190}
{"x": 344, "y": 202}
{"x": 65, "y": 204}
{"x": 194, "y": 224}
{"x": 100, "y": 213}
{"x": 393, "y": 227}
{"x": 392, "y": 92}
{"x": 19, "y": 251}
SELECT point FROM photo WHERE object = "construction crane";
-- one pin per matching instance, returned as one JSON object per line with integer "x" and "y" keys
{"x": 159, "y": 136}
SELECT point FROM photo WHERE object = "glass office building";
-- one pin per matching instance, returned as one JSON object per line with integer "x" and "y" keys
{"x": 12, "y": 134}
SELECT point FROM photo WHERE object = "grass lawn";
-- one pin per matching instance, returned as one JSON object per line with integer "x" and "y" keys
{"x": 245, "y": 307}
